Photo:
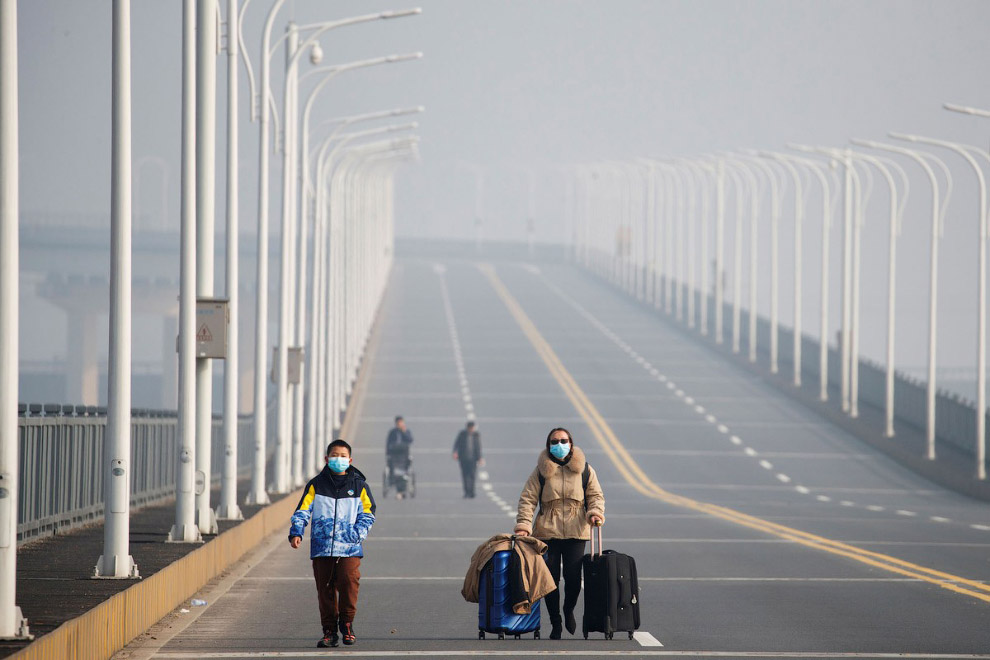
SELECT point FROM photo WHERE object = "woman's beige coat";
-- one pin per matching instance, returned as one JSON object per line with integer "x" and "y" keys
{"x": 563, "y": 515}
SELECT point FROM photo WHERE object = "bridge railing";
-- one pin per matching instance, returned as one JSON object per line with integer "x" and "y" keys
{"x": 61, "y": 478}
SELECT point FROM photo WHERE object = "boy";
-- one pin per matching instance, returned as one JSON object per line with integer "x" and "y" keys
{"x": 342, "y": 510}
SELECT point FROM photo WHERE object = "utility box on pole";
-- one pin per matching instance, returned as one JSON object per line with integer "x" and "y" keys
{"x": 211, "y": 328}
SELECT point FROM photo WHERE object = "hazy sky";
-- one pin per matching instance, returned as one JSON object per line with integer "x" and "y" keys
{"x": 513, "y": 87}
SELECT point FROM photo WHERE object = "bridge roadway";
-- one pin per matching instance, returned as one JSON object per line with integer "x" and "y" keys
{"x": 759, "y": 529}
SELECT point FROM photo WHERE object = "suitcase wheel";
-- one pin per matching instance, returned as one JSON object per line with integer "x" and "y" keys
{"x": 536, "y": 634}
{"x": 630, "y": 634}
{"x": 586, "y": 635}
{"x": 609, "y": 636}
{"x": 481, "y": 634}
{"x": 517, "y": 635}
{"x": 501, "y": 635}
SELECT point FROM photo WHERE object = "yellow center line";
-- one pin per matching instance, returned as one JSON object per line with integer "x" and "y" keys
{"x": 638, "y": 479}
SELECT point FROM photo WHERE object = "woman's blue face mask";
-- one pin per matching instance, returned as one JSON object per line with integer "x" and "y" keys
{"x": 560, "y": 450}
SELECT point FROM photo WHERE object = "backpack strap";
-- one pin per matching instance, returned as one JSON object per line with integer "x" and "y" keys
{"x": 585, "y": 478}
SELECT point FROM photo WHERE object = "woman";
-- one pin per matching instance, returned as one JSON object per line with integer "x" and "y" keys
{"x": 564, "y": 494}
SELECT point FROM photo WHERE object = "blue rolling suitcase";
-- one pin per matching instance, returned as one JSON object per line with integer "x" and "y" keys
{"x": 495, "y": 613}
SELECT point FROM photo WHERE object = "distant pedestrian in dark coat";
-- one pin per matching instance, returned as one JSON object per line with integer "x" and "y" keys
{"x": 467, "y": 452}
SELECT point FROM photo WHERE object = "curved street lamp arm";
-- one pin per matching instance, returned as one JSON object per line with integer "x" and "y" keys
{"x": 967, "y": 110}
{"x": 922, "y": 158}
{"x": 964, "y": 151}
{"x": 247, "y": 59}
{"x": 273, "y": 110}
{"x": 866, "y": 191}
{"x": 350, "y": 119}
{"x": 330, "y": 25}
{"x": 890, "y": 162}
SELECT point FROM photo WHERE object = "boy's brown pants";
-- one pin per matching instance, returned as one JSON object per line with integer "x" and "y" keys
{"x": 337, "y": 583}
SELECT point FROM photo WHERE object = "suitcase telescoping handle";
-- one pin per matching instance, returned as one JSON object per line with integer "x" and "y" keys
{"x": 596, "y": 533}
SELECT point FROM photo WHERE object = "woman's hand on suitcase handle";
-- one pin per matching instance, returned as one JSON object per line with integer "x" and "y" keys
{"x": 595, "y": 520}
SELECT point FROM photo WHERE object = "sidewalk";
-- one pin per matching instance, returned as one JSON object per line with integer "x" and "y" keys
{"x": 54, "y": 573}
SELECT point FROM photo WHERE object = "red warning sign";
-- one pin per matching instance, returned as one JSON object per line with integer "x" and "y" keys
{"x": 204, "y": 334}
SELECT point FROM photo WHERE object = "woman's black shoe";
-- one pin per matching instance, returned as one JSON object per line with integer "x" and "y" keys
{"x": 569, "y": 621}
{"x": 554, "y": 628}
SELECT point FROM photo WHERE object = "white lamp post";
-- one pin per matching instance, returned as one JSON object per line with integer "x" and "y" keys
{"x": 332, "y": 369}
{"x": 820, "y": 171}
{"x": 185, "y": 529}
{"x": 116, "y": 561}
{"x": 258, "y": 495}
{"x": 304, "y": 437}
{"x": 739, "y": 170}
{"x": 700, "y": 186}
{"x": 227, "y": 508}
{"x": 798, "y": 255}
{"x": 938, "y": 214}
{"x": 284, "y": 427}
{"x": 774, "y": 258}
{"x": 13, "y": 625}
{"x": 896, "y": 211}
{"x": 316, "y": 401}
{"x": 754, "y": 228}
{"x": 981, "y": 373}
{"x": 719, "y": 245}
{"x": 967, "y": 151}
{"x": 708, "y": 171}
{"x": 845, "y": 157}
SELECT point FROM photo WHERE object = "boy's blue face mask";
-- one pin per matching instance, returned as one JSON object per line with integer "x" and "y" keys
{"x": 560, "y": 450}
{"x": 339, "y": 463}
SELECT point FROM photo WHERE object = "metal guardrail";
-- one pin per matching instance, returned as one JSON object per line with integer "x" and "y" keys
{"x": 61, "y": 481}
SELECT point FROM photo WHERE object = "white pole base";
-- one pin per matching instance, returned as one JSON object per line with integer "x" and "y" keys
{"x": 208, "y": 526}
{"x": 257, "y": 498}
{"x": 22, "y": 627}
{"x": 108, "y": 570}
{"x": 232, "y": 512}
{"x": 184, "y": 534}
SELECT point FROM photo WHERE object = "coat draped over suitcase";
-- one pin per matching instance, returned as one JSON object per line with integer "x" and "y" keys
{"x": 535, "y": 576}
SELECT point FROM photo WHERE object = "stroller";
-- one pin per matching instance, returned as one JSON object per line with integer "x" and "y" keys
{"x": 399, "y": 476}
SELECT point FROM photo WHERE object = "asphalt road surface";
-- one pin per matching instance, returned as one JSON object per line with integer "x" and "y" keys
{"x": 760, "y": 531}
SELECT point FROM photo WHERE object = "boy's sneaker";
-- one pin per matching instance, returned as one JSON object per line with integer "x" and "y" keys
{"x": 347, "y": 630}
{"x": 330, "y": 640}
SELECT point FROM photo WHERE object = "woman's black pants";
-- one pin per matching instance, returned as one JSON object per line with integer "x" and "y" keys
{"x": 566, "y": 552}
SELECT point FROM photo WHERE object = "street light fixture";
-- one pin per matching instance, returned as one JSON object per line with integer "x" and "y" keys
{"x": 315, "y": 420}
{"x": 938, "y": 215}
{"x": 739, "y": 170}
{"x": 967, "y": 151}
{"x": 820, "y": 171}
{"x": 301, "y": 437}
{"x": 330, "y": 400}
{"x": 850, "y": 182}
{"x": 283, "y": 426}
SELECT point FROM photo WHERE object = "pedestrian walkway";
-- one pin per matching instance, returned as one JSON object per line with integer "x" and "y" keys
{"x": 54, "y": 573}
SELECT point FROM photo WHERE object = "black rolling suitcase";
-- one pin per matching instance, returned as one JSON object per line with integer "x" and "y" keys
{"x": 611, "y": 591}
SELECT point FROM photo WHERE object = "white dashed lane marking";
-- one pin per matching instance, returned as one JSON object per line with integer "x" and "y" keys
{"x": 722, "y": 428}
{"x": 483, "y": 478}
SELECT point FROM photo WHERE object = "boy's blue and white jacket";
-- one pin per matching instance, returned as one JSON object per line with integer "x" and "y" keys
{"x": 341, "y": 510}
